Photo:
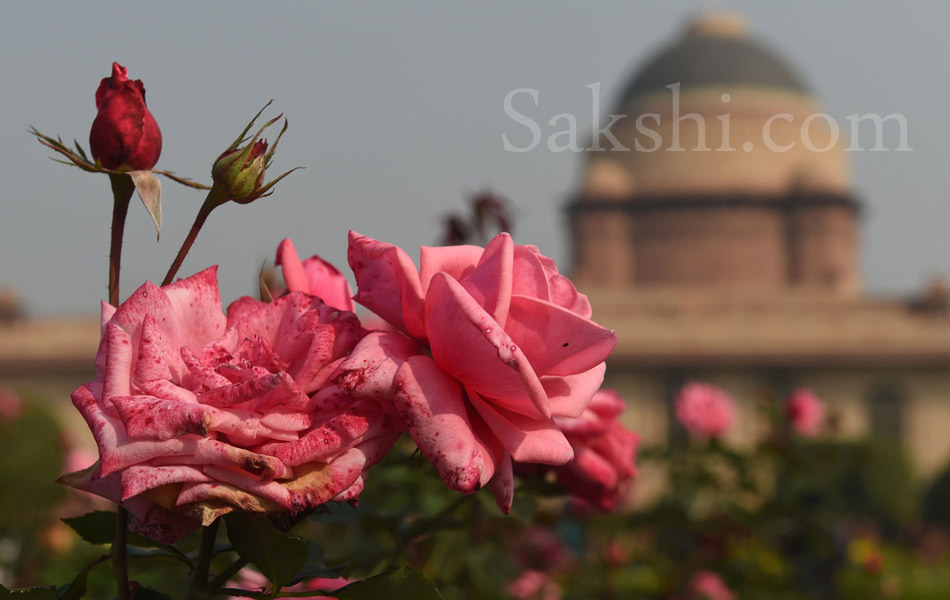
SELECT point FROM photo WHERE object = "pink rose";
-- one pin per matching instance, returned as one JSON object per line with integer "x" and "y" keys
{"x": 704, "y": 409}
{"x": 196, "y": 413}
{"x": 805, "y": 412}
{"x": 604, "y": 452}
{"x": 534, "y": 585}
{"x": 314, "y": 276}
{"x": 124, "y": 134}
{"x": 11, "y": 407}
{"x": 707, "y": 585}
{"x": 494, "y": 343}
{"x": 253, "y": 581}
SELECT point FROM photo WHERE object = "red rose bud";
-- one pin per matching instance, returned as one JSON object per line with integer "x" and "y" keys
{"x": 124, "y": 134}
{"x": 241, "y": 172}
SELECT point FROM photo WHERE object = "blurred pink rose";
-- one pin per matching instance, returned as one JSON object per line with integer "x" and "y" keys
{"x": 704, "y": 409}
{"x": 805, "y": 412}
{"x": 534, "y": 585}
{"x": 196, "y": 413}
{"x": 11, "y": 407}
{"x": 707, "y": 585}
{"x": 496, "y": 343}
{"x": 604, "y": 452}
{"x": 314, "y": 276}
{"x": 254, "y": 581}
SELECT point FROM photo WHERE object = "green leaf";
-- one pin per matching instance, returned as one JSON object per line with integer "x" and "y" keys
{"x": 98, "y": 527}
{"x": 145, "y": 593}
{"x": 76, "y": 589}
{"x": 33, "y": 593}
{"x": 403, "y": 583}
{"x": 149, "y": 188}
{"x": 279, "y": 556}
{"x": 315, "y": 567}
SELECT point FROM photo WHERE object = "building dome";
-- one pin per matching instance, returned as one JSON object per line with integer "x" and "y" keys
{"x": 721, "y": 170}
{"x": 715, "y": 50}
{"x": 718, "y": 112}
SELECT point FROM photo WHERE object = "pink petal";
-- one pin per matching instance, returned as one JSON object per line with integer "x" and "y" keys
{"x": 327, "y": 439}
{"x": 489, "y": 283}
{"x": 457, "y": 261}
{"x": 291, "y": 267}
{"x": 197, "y": 305}
{"x": 118, "y": 370}
{"x": 252, "y": 484}
{"x": 556, "y": 340}
{"x": 432, "y": 405}
{"x": 370, "y": 368}
{"x": 140, "y": 478}
{"x": 592, "y": 468}
{"x": 571, "y": 394}
{"x": 528, "y": 440}
{"x": 145, "y": 417}
{"x": 388, "y": 283}
{"x": 328, "y": 284}
{"x": 561, "y": 290}
{"x": 156, "y": 354}
{"x": 502, "y": 484}
{"x": 470, "y": 346}
{"x": 528, "y": 275}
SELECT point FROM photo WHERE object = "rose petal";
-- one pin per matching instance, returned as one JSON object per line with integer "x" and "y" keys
{"x": 571, "y": 394}
{"x": 388, "y": 283}
{"x": 457, "y": 261}
{"x": 527, "y": 440}
{"x": 556, "y": 340}
{"x": 470, "y": 346}
{"x": 370, "y": 368}
{"x": 490, "y": 283}
{"x": 432, "y": 405}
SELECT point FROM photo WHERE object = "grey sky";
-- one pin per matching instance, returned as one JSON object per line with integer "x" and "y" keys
{"x": 396, "y": 112}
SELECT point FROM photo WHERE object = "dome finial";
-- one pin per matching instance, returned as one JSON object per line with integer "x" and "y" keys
{"x": 718, "y": 23}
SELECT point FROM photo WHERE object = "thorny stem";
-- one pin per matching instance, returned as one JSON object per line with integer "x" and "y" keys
{"x": 122, "y": 190}
{"x": 216, "y": 197}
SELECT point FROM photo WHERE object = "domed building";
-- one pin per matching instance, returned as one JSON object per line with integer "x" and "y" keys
{"x": 716, "y": 230}
{"x": 715, "y": 189}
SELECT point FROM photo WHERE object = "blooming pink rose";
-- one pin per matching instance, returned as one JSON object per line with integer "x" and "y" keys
{"x": 314, "y": 276}
{"x": 707, "y": 585}
{"x": 805, "y": 412}
{"x": 124, "y": 134}
{"x": 534, "y": 585}
{"x": 604, "y": 452}
{"x": 196, "y": 413}
{"x": 704, "y": 409}
{"x": 494, "y": 343}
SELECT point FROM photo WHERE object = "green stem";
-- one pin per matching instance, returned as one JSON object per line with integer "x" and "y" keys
{"x": 119, "y": 556}
{"x": 199, "y": 579}
{"x": 216, "y": 197}
{"x": 122, "y": 190}
{"x": 228, "y": 573}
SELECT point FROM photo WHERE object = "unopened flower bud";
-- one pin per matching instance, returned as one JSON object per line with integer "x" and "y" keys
{"x": 124, "y": 134}
{"x": 240, "y": 172}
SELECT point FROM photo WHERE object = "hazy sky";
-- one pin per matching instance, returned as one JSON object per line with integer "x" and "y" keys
{"x": 396, "y": 111}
